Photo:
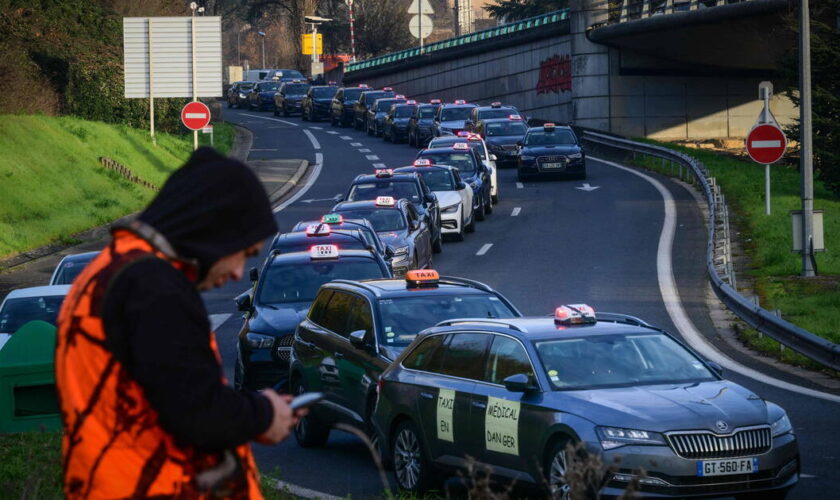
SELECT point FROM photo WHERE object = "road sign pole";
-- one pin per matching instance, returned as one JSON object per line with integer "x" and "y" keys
{"x": 151, "y": 87}
{"x": 767, "y": 189}
{"x": 806, "y": 164}
{"x": 192, "y": 46}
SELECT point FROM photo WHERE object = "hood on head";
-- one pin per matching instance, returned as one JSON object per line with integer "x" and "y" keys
{"x": 211, "y": 207}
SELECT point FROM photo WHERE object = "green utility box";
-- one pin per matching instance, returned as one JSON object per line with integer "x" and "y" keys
{"x": 28, "y": 398}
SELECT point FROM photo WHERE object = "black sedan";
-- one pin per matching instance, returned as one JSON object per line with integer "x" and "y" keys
{"x": 551, "y": 151}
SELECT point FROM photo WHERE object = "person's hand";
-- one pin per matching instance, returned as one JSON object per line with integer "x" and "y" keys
{"x": 282, "y": 421}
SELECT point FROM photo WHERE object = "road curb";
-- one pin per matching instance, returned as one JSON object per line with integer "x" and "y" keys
{"x": 290, "y": 184}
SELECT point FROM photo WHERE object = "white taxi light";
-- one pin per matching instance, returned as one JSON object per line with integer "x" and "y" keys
{"x": 460, "y": 101}
{"x": 496, "y": 105}
{"x": 411, "y": 101}
{"x": 385, "y": 201}
{"x": 574, "y": 314}
{"x": 548, "y": 126}
{"x": 463, "y": 133}
{"x": 434, "y": 101}
{"x": 384, "y": 172}
{"x": 514, "y": 117}
{"x": 363, "y": 86}
{"x": 460, "y": 146}
{"x": 422, "y": 163}
{"x": 399, "y": 96}
{"x": 323, "y": 252}
{"x": 318, "y": 230}
{"x": 387, "y": 89}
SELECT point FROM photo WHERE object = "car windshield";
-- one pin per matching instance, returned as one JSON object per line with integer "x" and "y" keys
{"x": 385, "y": 187}
{"x": 438, "y": 180}
{"x": 18, "y": 312}
{"x": 323, "y": 92}
{"x": 454, "y": 114}
{"x": 352, "y": 94}
{"x": 496, "y": 113}
{"x": 283, "y": 283}
{"x": 383, "y": 106}
{"x": 246, "y": 86}
{"x": 462, "y": 161}
{"x": 382, "y": 219}
{"x": 404, "y": 317}
{"x": 266, "y": 87}
{"x": 404, "y": 111}
{"x": 560, "y": 137}
{"x": 371, "y": 97}
{"x": 428, "y": 112}
{"x": 602, "y": 361}
{"x": 506, "y": 128}
{"x": 69, "y": 270}
{"x": 296, "y": 89}
{"x": 343, "y": 240}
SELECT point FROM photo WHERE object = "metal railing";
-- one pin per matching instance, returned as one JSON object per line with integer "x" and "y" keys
{"x": 463, "y": 40}
{"x": 719, "y": 254}
{"x": 630, "y": 10}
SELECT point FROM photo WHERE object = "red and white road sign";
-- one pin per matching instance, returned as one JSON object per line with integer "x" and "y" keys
{"x": 766, "y": 143}
{"x": 195, "y": 115}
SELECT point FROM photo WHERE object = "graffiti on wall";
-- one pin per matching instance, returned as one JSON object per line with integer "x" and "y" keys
{"x": 555, "y": 75}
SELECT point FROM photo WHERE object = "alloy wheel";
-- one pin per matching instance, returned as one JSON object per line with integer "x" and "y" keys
{"x": 560, "y": 489}
{"x": 407, "y": 459}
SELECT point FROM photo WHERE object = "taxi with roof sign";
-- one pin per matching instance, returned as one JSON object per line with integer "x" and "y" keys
{"x": 473, "y": 171}
{"x": 384, "y": 182}
{"x": 474, "y": 141}
{"x": 512, "y": 394}
{"x": 319, "y": 233}
{"x": 365, "y": 102}
{"x": 395, "y": 125}
{"x": 451, "y": 118}
{"x": 355, "y": 329}
{"x": 279, "y": 299}
{"x": 378, "y": 112}
{"x": 289, "y": 97}
{"x": 454, "y": 196}
{"x": 399, "y": 225}
{"x": 343, "y": 105}
{"x": 502, "y": 136}
{"x": 316, "y": 103}
{"x": 421, "y": 124}
{"x": 494, "y": 110}
{"x": 551, "y": 150}
{"x": 337, "y": 223}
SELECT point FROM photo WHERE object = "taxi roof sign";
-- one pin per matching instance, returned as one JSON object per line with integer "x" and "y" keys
{"x": 474, "y": 137}
{"x": 460, "y": 146}
{"x": 411, "y": 101}
{"x": 318, "y": 230}
{"x": 434, "y": 101}
{"x": 423, "y": 163}
{"x": 332, "y": 219}
{"x": 363, "y": 86}
{"x": 331, "y": 83}
{"x": 574, "y": 314}
{"x": 384, "y": 172}
{"x": 399, "y": 96}
{"x": 418, "y": 278}
{"x": 460, "y": 101}
{"x": 387, "y": 89}
{"x": 463, "y": 133}
{"x": 323, "y": 252}
{"x": 548, "y": 126}
{"x": 385, "y": 201}
{"x": 496, "y": 105}
{"x": 514, "y": 117}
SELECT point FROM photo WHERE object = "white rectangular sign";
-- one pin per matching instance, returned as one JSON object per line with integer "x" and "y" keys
{"x": 166, "y": 43}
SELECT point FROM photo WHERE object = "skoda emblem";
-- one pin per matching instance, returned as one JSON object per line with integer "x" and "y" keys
{"x": 722, "y": 426}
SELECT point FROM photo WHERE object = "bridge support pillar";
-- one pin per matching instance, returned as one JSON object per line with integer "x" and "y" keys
{"x": 590, "y": 67}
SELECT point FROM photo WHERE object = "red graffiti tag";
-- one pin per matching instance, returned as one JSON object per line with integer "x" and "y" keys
{"x": 555, "y": 75}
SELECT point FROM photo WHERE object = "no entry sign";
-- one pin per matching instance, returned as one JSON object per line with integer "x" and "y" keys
{"x": 766, "y": 143}
{"x": 195, "y": 115}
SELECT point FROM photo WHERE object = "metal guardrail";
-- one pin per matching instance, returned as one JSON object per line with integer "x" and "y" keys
{"x": 630, "y": 10}
{"x": 718, "y": 255}
{"x": 469, "y": 38}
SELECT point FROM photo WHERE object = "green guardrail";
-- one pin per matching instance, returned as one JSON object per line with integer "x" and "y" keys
{"x": 475, "y": 37}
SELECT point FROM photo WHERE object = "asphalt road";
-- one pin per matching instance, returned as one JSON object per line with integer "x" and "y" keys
{"x": 551, "y": 243}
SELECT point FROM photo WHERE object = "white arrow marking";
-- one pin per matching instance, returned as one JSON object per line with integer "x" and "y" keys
{"x": 766, "y": 144}
{"x": 586, "y": 187}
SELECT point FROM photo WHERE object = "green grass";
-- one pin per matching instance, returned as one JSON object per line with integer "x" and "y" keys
{"x": 52, "y": 184}
{"x": 813, "y": 304}
{"x": 30, "y": 465}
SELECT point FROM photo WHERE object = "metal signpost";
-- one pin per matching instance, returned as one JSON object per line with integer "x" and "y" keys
{"x": 806, "y": 165}
{"x": 352, "y": 31}
{"x": 766, "y": 143}
{"x": 420, "y": 25}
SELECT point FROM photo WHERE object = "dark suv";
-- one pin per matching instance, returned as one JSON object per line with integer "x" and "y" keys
{"x": 316, "y": 104}
{"x": 341, "y": 107}
{"x": 289, "y": 97}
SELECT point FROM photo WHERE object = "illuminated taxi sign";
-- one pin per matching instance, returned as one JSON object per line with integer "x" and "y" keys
{"x": 399, "y": 96}
{"x": 317, "y": 230}
{"x": 496, "y": 105}
{"x": 460, "y": 101}
{"x": 474, "y": 137}
{"x": 384, "y": 172}
{"x": 549, "y": 127}
{"x": 463, "y": 133}
{"x": 411, "y": 101}
{"x": 323, "y": 252}
{"x": 387, "y": 89}
{"x": 574, "y": 314}
{"x": 332, "y": 219}
{"x": 460, "y": 146}
{"x": 363, "y": 86}
{"x": 514, "y": 117}
{"x": 435, "y": 101}
{"x": 385, "y": 201}
{"x": 422, "y": 163}
{"x": 422, "y": 278}
{"x": 332, "y": 83}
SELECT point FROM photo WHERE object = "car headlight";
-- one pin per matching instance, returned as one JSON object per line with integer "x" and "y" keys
{"x": 400, "y": 251}
{"x": 781, "y": 426}
{"x": 615, "y": 437}
{"x": 243, "y": 96}
{"x": 451, "y": 209}
{"x": 575, "y": 156}
{"x": 258, "y": 340}
{"x": 527, "y": 158}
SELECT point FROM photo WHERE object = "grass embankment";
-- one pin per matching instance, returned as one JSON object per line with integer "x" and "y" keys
{"x": 53, "y": 186}
{"x": 812, "y": 303}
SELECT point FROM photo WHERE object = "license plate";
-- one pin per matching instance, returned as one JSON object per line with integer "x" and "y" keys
{"x": 727, "y": 467}
{"x": 553, "y": 165}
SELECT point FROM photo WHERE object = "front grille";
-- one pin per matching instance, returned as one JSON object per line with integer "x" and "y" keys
{"x": 283, "y": 347}
{"x": 509, "y": 147}
{"x": 704, "y": 444}
{"x": 552, "y": 159}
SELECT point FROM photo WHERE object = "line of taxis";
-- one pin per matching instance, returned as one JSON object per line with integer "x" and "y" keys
{"x": 440, "y": 371}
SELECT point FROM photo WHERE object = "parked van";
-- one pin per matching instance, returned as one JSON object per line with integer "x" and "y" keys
{"x": 283, "y": 75}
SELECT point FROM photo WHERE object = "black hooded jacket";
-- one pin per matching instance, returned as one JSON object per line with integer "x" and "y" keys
{"x": 155, "y": 320}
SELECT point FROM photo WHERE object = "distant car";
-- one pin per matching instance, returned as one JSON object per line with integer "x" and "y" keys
{"x": 284, "y": 289}
{"x": 359, "y": 227}
{"x": 261, "y": 96}
{"x": 512, "y": 394}
{"x": 237, "y": 94}
{"x": 399, "y": 225}
{"x": 475, "y": 142}
{"x": 502, "y": 135}
{"x": 289, "y": 96}
{"x": 355, "y": 329}
{"x": 365, "y": 102}
{"x": 472, "y": 170}
{"x": 70, "y": 267}
{"x": 377, "y": 113}
{"x": 284, "y": 75}
{"x": 494, "y": 110}
{"x": 395, "y": 124}
{"x": 30, "y": 304}
{"x": 551, "y": 150}
{"x": 452, "y": 118}
{"x": 316, "y": 103}
{"x": 343, "y": 104}
{"x": 421, "y": 124}
{"x": 454, "y": 196}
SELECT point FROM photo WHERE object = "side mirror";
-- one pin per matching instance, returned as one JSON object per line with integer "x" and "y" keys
{"x": 461, "y": 185}
{"x": 357, "y": 339}
{"x": 716, "y": 368}
{"x": 254, "y": 274}
{"x": 518, "y": 383}
{"x": 389, "y": 252}
{"x": 493, "y": 157}
{"x": 430, "y": 197}
{"x": 243, "y": 301}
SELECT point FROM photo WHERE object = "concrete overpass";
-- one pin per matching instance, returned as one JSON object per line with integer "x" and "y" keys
{"x": 651, "y": 68}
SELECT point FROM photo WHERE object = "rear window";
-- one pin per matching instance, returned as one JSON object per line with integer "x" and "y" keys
{"x": 382, "y": 219}
{"x": 296, "y": 89}
{"x": 372, "y": 190}
{"x": 505, "y": 128}
{"x": 299, "y": 282}
{"x": 462, "y": 161}
{"x": 346, "y": 241}
{"x": 18, "y": 312}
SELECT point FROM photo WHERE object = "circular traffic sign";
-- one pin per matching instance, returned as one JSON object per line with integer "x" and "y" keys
{"x": 195, "y": 115}
{"x": 421, "y": 26}
{"x": 766, "y": 143}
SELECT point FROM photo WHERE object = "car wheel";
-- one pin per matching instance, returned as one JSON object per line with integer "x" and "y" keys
{"x": 410, "y": 139}
{"x": 332, "y": 120}
{"x": 368, "y": 130}
{"x": 309, "y": 431}
{"x": 471, "y": 226}
{"x": 386, "y": 137}
{"x": 479, "y": 212}
{"x": 556, "y": 467}
{"x": 521, "y": 177}
{"x": 488, "y": 203}
{"x": 412, "y": 470}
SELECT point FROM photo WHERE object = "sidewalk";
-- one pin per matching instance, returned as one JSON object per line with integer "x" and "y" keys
{"x": 34, "y": 268}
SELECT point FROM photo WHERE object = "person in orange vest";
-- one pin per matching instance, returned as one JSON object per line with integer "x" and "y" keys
{"x": 145, "y": 408}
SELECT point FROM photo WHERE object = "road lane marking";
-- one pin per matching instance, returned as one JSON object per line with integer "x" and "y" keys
{"x": 364, "y": 150}
{"x": 346, "y": 138}
{"x": 807, "y": 476}
{"x": 483, "y": 250}
{"x": 333, "y": 132}
{"x": 217, "y": 320}
{"x": 516, "y": 211}
{"x": 519, "y": 185}
{"x": 316, "y": 128}
{"x": 371, "y": 157}
{"x": 271, "y": 119}
{"x": 312, "y": 139}
{"x": 673, "y": 302}
{"x": 356, "y": 144}
{"x": 316, "y": 171}
{"x": 379, "y": 165}
{"x": 264, "y": 149}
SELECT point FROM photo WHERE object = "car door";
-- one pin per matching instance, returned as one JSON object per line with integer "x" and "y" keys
{"x": 421, "y": 235}
{"x": 466, "y": 195}
{"x": 432, "y": 207}
{"x": 332, "y": 342}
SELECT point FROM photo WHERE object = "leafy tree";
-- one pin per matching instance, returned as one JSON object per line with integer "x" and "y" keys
{"x": 514, "y": 10}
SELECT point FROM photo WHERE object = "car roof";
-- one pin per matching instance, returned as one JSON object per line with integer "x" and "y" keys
{"x": 555, "y": 126}
{"x": 352, "y": 224}
{"x": 441, "y": 150}
{"x": 396, "y": 287}
{"x": 504, "y": 106}
{"x": 301, "y": 235}
{"x": 353, "y": 205}
{"x": 453, "y": 105}
{"x": 539, "y": 328}
{"x": 419, "y": 170}
{"x": 404, "y": 177}
{"x": 304, "y": 257}
{"x": 503, "y": 119}
{"x": 80, "y": 257}
{"x": 39, "y": 291}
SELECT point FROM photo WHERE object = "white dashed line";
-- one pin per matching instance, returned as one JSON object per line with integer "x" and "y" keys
{"x": 346, "y": 138}
{"x": 516, "y": 211}
{"x": 356, "y": 144}
{"x": 316, "y": 128}
{"x": 378, "y": 165}
{"x": 333, "y": 132}
{"x": 519, "y": 185}
{"x": 217, "y": 320}
{"x": 483, "y": 250}
{"x": 364, "y": 150}
{"x": 272, "y": 119}
{"x": 371, "y": 157}
{"x": 312, "y": 139}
